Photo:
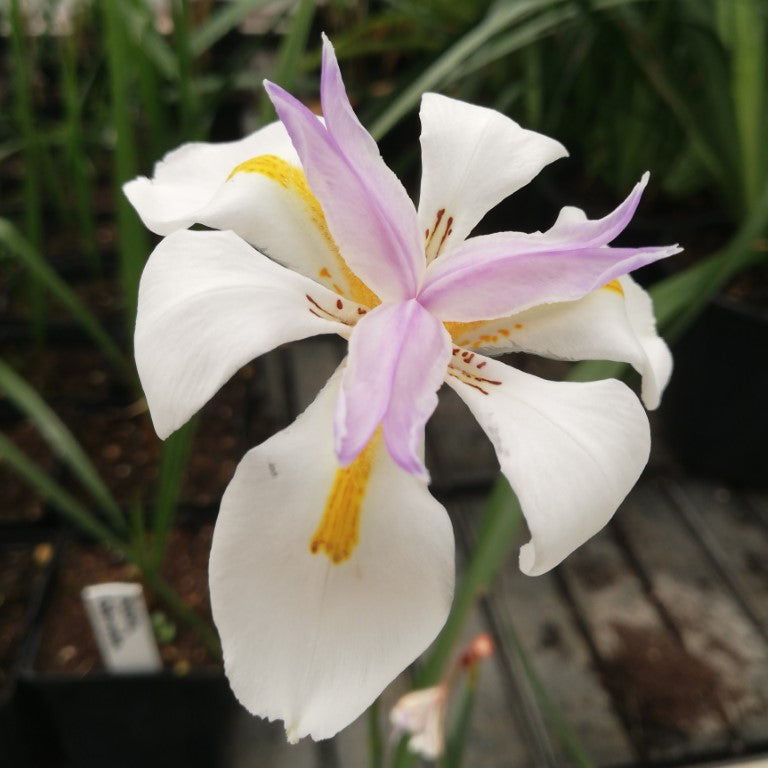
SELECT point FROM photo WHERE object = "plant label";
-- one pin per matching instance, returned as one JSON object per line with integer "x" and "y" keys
{"x": 120, "y": 623}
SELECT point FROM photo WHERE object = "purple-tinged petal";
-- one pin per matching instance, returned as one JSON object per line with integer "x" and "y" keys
{"x": 421, "y": 370}
{"x": 362, "y": 153}
{"x": 398, "y": 356}
{"x": 361, "y": 216}
{"x": 571, "y": 230}
{"x": 509, "y": 272}
{"x": 579, "y": 231}
{"x": 489, "y": 279}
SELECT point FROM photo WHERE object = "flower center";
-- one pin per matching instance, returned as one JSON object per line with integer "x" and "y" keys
{"x": 339, "y": 529}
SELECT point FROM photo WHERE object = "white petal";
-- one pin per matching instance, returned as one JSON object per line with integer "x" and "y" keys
{"x": 571, "y": 451}
{"x": 472, "y": 158}
{"x": 607, "y": 324}
{"x": 305, "y": 640}
{"x": 278, "y": 215}
{"x": 421, "y": 713}
{"x": 266, "y": 201}
{"x": 209, "y": 303}
{"x": 656, "y": 369}
{"x": 186, "y": 180}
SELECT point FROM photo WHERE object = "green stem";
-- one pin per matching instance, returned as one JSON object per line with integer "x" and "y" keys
{"x": 457, "y": 741}
{"x": 375, "y": 738}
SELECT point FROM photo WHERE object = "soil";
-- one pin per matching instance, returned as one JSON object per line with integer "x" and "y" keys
{"x": 67, "y": 644}
{"x": 123, "y": 445}
{"x": 20, "y": 504}
{"x": 22, "y": 569}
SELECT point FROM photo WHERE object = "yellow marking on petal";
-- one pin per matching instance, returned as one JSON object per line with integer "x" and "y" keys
{"x": 458, "y": 330}
{"x": 614, "y": 286}
{"x": 292, "y": 179}
{"x": 324, "y": 272}
{"x": 339, "y": 527}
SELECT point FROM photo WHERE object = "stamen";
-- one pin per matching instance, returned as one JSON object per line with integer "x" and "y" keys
{"x": 339, "y": 529}
{"x": 340, "y": 314}
{"x": 433, "y": 244}
{"x": 465, "y": 370}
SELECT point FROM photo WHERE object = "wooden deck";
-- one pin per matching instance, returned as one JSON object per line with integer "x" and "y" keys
{"x": 651, "y": 640}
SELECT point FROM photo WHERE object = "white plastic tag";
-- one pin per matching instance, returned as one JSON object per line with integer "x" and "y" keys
{"x": 118, "y": 616}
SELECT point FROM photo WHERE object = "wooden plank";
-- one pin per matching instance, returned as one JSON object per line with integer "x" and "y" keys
{"x": 728, "y": 661}
{"x": 734, "y": 536}
{"x": 499, "y": 735}
{"x": 537, "y": 612}
{"x": 641, "y": 658}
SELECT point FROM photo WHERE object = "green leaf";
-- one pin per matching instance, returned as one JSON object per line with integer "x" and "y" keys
{"x": 221, "y": 23}
{"x": 499, "y": 17}
{"x": 50, "y": 491}
{"x": 13, "y": 244}
{"x": 138, "y": 18}
{"x": 132, "y": 239}
{"x": 294, "y": 43}
{"x": 61, "y": 440}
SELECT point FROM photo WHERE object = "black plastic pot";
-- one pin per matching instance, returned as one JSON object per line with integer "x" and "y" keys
{"x": 31, "y": 584}
{"x": 125, "y": 721}
{"x": 714, "y": 412}
{"x": 100, "y": 720}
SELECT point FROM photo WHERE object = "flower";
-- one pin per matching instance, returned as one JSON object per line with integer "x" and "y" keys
{"x": 422, "y": 714}
{"x": 332, "y": 567}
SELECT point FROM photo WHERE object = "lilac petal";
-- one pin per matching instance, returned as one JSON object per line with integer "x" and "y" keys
{"x": 421, "y": 370}
{"x": 374, "y": 227}
{"x": 584, "y": 232}
{"x": 489, "y": 279}
{"x": 363, "y": 155}
{"x": 509, "y": 272}
{"x": 398, "y": 356}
